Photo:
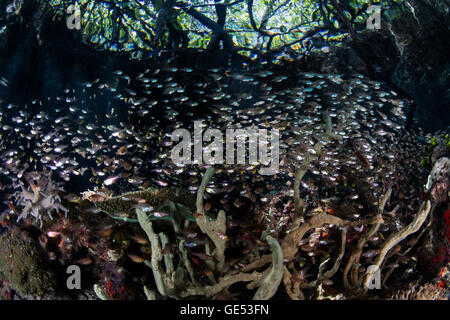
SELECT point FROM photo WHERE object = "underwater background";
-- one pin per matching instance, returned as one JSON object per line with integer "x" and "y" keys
{"x": 93, "y": 205}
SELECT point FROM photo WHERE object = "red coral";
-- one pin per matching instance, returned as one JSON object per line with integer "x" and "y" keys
{"x": 441, "y": 284}
{"x": 117, "y": 293}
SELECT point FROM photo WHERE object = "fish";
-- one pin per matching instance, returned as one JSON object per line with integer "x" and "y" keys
{"x": 126, "y": 147}
{"x": 83, "y": 261}
{"x": 135, "y": 258}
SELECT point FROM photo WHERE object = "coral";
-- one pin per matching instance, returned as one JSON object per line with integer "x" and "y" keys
{"x": 126, "y": 203}
{"x": 294, "y": 279}
{"x": 420, "y": 292}
{"x": 43, "y": 198}
{"x": 395, "y": 238}
{"x": 329, "y": 135}
{"x": 294, "y": 282}
{"x": 269, "y": 284}
{"x": 149, "y": 294}
{"x": 214, "y": 229}
{"x": 353, "y": 261}
{"x": 182, "y": 282}
{"x": 337, "y": 245}
{"x": 117, "y": 293}
{"x": 101, "y": 292}
{"x": 22, "y": 264}
{"x": 163, "y": 280}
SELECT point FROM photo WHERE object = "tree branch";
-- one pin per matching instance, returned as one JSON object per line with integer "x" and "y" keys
{"x": 342, "y": 15}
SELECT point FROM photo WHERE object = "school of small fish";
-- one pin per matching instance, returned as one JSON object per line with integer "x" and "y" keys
{"x": 115, "y": 133}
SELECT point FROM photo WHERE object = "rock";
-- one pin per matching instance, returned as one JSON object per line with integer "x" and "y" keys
{"x": 440, "y": 175}
{"x": 410, "y": 52}
{"x": 438, "y": 152}
{"x": 22, "y": 264}
{"x": 378, "y": 52}
{"x": 422, "y": 36}
{"x": 344, "y": 60}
